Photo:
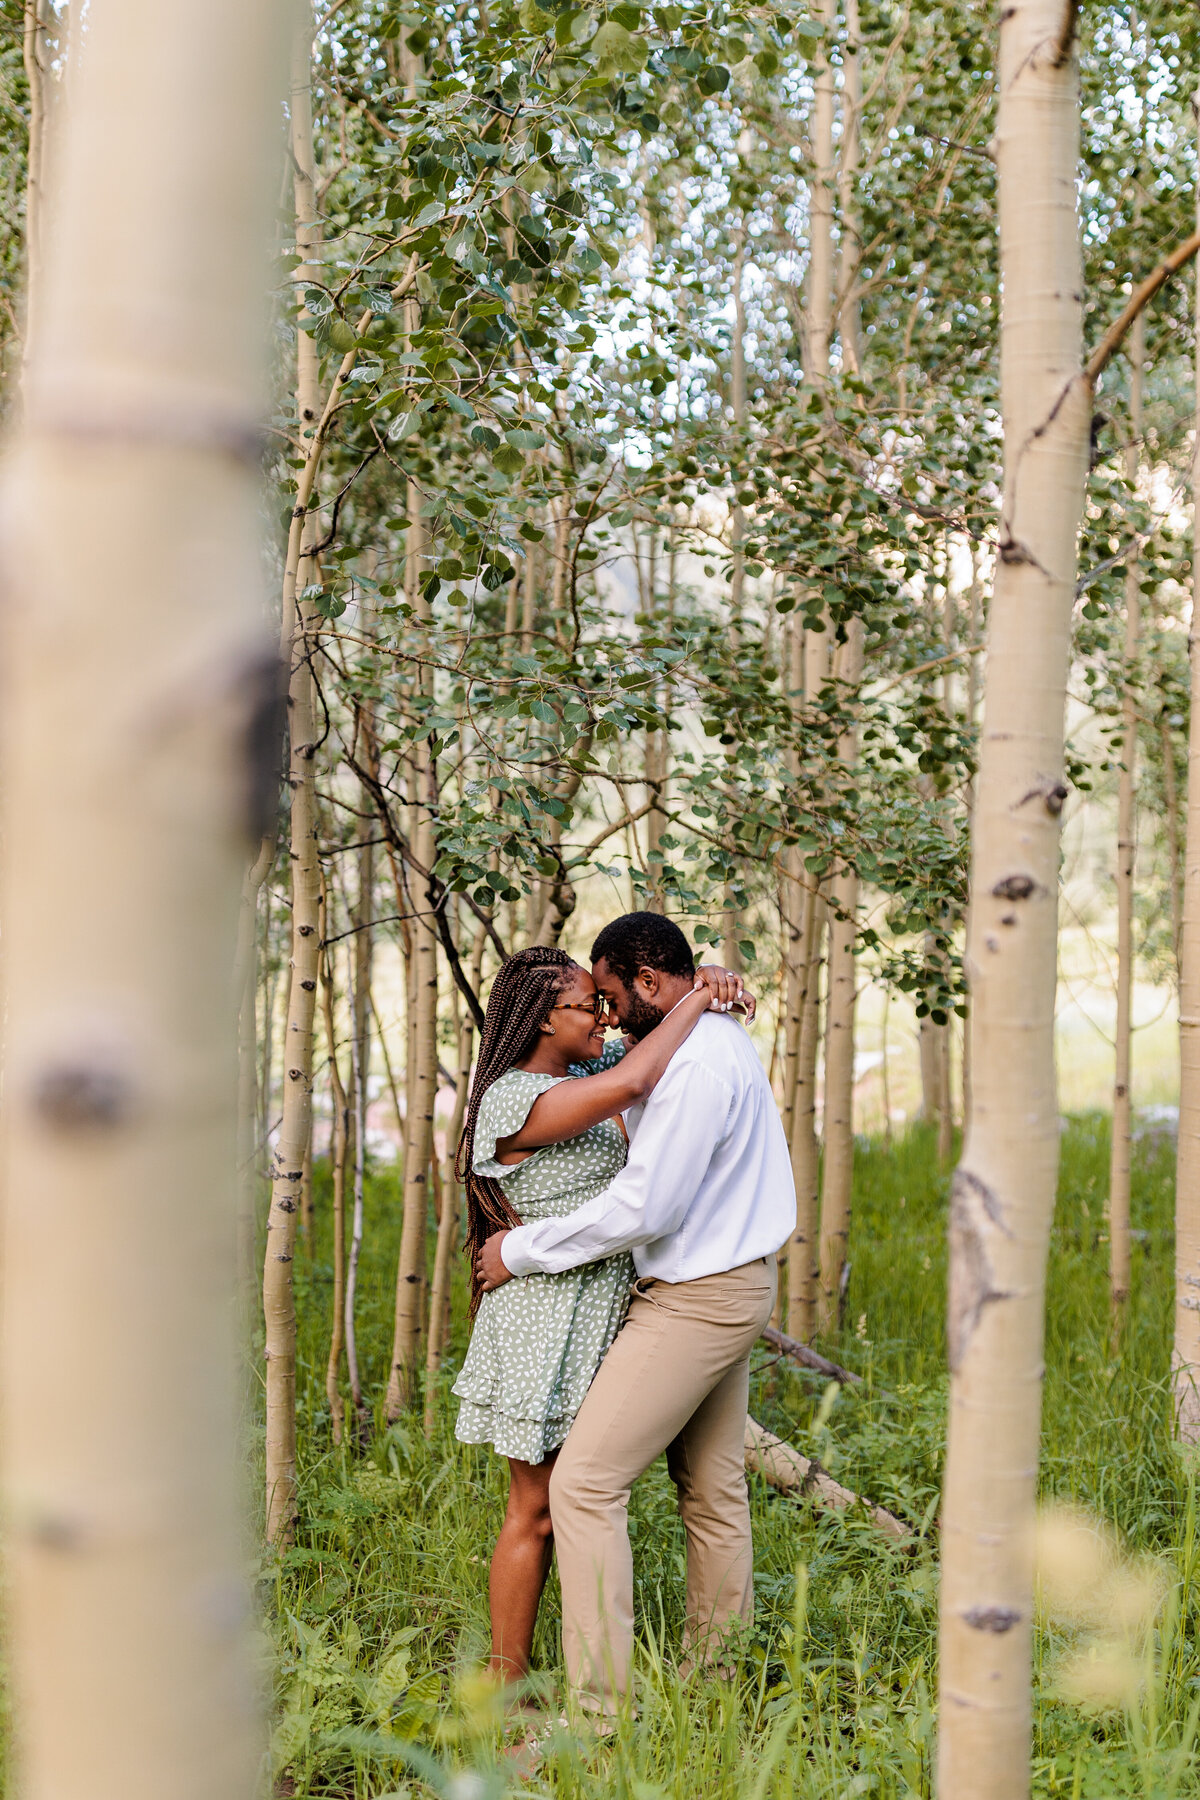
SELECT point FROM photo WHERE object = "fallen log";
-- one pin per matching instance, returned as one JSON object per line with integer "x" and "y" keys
{"x": 811, "y": 1359}
{"x": 785, "y": 1469}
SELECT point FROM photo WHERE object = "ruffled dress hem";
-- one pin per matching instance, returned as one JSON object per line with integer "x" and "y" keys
{"x": 526, "y": 1440}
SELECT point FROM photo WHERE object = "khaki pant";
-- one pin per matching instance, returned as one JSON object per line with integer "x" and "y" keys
{"x": 676, "y": 1379}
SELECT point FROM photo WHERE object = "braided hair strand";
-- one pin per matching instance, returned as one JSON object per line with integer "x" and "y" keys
{"x": 525, "y": 990}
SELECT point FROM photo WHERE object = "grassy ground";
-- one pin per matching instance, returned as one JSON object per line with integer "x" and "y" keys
{"x": 379, "y": 1611}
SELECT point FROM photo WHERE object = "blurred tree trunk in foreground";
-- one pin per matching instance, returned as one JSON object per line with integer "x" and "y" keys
{"x": 140, "y": 774}
{"x": 1186, "y": 1355}
{"x": 1003, "y": 1194}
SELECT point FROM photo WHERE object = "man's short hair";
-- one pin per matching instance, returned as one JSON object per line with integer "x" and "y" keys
{"x": 643, "y": 940}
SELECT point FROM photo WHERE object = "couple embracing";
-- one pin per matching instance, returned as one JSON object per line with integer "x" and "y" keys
{"x": 624, "y": 1210}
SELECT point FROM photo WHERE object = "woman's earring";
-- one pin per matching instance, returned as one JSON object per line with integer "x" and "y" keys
{"x": 550, "y": 1030}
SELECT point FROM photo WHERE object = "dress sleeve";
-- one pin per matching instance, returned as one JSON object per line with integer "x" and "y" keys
{"x": 503, "y": 1110}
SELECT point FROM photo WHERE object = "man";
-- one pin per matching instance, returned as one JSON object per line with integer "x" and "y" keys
{"x": 704, "y": 1202}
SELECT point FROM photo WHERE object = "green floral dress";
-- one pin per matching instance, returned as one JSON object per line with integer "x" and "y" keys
{"x": 539, "y": 1339}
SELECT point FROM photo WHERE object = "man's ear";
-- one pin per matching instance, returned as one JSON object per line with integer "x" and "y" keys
{"x": 648, "y": 982}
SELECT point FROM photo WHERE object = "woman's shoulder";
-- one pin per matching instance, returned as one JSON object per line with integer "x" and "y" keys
{"x": 511, "y": 1095}
{"x": 520, "y": 1082}
{"x": 502, "y": 1111}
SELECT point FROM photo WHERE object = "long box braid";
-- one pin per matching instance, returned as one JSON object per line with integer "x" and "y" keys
{"x": 526, "y": 988}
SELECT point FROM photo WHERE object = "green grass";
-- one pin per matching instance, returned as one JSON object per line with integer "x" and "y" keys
{"x": 380, "y": 1611}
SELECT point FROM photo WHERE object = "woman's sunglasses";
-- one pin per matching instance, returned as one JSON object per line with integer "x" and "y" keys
{"x": 597, "y": 1007}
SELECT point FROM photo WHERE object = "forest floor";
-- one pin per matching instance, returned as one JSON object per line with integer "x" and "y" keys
{"x": 379, "y": 1611}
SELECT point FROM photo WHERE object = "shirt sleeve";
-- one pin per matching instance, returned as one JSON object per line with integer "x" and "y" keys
{"x": 683, "y": 1122}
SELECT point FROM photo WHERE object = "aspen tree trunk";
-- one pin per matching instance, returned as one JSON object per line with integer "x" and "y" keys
{"x": 267, "y": 1064}
{"x": 974, "y": 625}
{"x": 422, "y": 1073}
{"x": 360, "y": 1069}
{"x": 805, "y": 1152}
{"x": 1185, "y": 1358}
{"x": 792, "y": 890}
{"x": 245, "y": 966}
{"x": 338, "y": 1159}
{"x": 447, "y": 1239}
{"x": 849, "y": 307}
{"x": 819, "y": 309}
{"x": 1171, "y": 807}
{"x": 1003, "y": 1193}
{"x": 838, "y": 1134}
{"x": 1122, "y": 1114}
{"x": 733, "y": 923}
{"x": 805, "y": 1149}
{"x": 292, "y": 1144}
{"x": 136, "y": 669}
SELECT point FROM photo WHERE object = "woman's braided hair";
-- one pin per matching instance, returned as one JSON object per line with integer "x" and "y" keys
{"x": 526, "y": 988}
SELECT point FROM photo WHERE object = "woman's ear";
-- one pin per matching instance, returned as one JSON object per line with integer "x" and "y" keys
{"x": 547, "y": 1027}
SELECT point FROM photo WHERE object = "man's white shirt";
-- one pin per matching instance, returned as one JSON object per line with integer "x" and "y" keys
{"x": 708, "y": 1184}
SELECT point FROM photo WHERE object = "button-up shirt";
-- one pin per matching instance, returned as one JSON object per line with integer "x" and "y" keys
{"x": 708, "y": 1183}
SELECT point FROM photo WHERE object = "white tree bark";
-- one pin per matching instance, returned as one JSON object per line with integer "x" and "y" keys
{"x": 1003, "y": 1194}
{"x": 838, "y": 1133}
{"x": 1122, "y": 1115}
{"x": 1186, "y": 1353}
{"x": 136, "y": 665}
{"x": 293, "y": 1146}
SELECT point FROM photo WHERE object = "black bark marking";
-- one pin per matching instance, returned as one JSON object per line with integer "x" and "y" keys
{"x": 974, "y": 1213}
{"x": 1051, "y": 792}
{"x": 264, "y": 686}
{"x": 992, "y": 1618}
{"x": 1014, "y": 887}
{"x": 82, "y": 1096}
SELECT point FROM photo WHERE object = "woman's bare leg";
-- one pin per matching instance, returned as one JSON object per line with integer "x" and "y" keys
{"x": 520, "y": 1564}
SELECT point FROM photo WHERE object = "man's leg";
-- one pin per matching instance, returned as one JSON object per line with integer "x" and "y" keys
{"x": 678, "y": 1343}
{"x": 707, "y": 1463}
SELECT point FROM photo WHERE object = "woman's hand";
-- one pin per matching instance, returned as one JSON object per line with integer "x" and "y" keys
{"x": 490, "y": 1270}
{"x": 728, "y": 990}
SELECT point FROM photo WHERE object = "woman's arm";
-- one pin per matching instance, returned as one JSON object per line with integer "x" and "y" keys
{"x": 573, "y": 1107}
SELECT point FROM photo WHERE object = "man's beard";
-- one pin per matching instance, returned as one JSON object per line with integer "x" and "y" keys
{"x": 638, "y": 1017}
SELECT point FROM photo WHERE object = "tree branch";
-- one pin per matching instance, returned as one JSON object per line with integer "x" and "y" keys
{"x": 1066, "y": 34}
{"x": 1140, "y": 298}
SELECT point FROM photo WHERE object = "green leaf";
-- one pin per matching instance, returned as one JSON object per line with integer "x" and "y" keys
{"x": 508, "y": 460}
{"x": 524, "y": 439}
{"x": 485, "y": 437}
{"x": 343, "y": 337}
{"x": 713, "y": 79}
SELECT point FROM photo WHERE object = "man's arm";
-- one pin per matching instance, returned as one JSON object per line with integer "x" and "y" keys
{"x": 679, "y": 1130}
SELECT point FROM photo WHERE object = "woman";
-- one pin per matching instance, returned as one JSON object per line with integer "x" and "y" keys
{"x": 541, "y": 1137}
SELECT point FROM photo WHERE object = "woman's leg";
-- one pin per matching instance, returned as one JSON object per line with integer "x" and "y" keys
{"x": 520, "y": 1564}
